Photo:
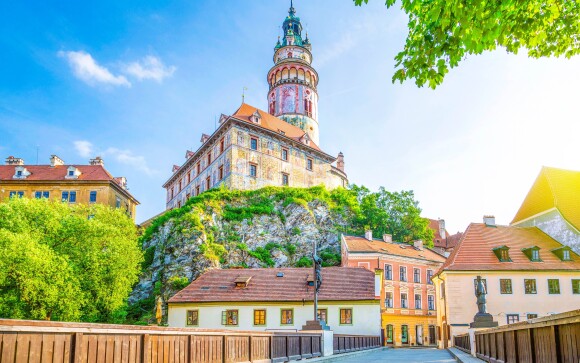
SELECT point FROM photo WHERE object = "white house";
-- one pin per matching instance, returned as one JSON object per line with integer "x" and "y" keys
{"x": 280, "y": 299}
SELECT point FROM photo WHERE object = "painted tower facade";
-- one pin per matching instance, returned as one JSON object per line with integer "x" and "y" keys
{"x": 292, "y": 95}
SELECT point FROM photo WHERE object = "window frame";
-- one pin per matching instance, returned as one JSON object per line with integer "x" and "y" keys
{"x": 420, "y": 301}
{"x": 429, "y": 276}
{"x": 535, "y": 290}
{"x": 340, "y": 316}
{"x": 309, "y": 164}
{"x": 325, "y": 310}
{"x": 430, "y": 302}
{"x": 285, "y": 179}
{"x": 406, "y": 300}
{"x": 254, "y": 167}
{"x": 253, "y": 139}
{"x": 531, "y": 316}
{"x": 391, "y": 300}
{"x": 187, "y": 312}
{"x": 282, "y": 310}
{"x": 91, "y": 194}
{"x": 554, "y": 292}
{"x": 389, "y": 270}
{"x": 416, "y": 275}
{"x": 264, "y": 318}
{"x": 225, "y": 315}
{"x": 284, "y": 154}
{"x": 221, "y": 172}
{"x": 501, "y": 287}
{"x": 403, "y": 276}
{"x": 575, "y": 289}
{"x": 222, "y": 145}
{"x": 514, "y": 317}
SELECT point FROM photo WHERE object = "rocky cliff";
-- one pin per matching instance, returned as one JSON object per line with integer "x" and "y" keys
{"x": 269, "y": 227}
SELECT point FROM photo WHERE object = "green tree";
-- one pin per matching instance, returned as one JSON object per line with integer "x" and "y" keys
{"x": 443, "y": 32}
{"x": 395, "y": 213}
{"x": 91, "y": 254}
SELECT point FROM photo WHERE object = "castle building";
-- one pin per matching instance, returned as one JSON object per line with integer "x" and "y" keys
{"x": 253, "y": 148}
{"x": 87, "y": 184}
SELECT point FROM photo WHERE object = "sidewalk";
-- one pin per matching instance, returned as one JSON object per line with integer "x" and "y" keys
{"x": 463, "y": 357}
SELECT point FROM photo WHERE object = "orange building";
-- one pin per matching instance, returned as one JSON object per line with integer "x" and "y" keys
{"x": 71, "y": 183}
{"x": 408, "y": 304}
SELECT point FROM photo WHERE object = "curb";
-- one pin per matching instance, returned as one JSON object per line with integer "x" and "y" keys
{"x": 467, "y": 359}
{"x": 337, "y": 357}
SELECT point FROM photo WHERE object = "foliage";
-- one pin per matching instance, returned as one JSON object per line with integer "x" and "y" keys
{"x": 178, "y": 283}
{"x": 59, "y": 264}
{"x": 148, "y": 257}
{"x": 264, "y": 254}
{"x": 442, "y": 33}
{"x": 304, "y": 261}
{"x": 329, "y": 258}
{"x": 394, "y": 213}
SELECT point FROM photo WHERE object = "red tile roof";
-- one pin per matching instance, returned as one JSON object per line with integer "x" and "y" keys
{"x": 272, "y": 123}
{"x": 338, "y": 283}
{"x": 446, "y": 243}
{"x": 361, "y": 245}
{"x": 57, "y": 173}
{"x": 475, "y": 250}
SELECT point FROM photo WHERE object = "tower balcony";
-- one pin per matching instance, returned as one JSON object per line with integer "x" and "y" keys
{"x": 293, "y": 81}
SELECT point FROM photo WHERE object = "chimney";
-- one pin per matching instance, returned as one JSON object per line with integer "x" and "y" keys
{"x": 97, "y": 161}
{"x": 418, "y": 244}
{"x": 340, "y": 162}
{"x": 369, "y": 235}
{"x": 387, "y": 237}
{"x": 489, "y": 221}
{"x": 442, "y": 228}
{"x": 204, "y": 138}
{"x": 11, "y": 160}
{"x": 55, "y": 161}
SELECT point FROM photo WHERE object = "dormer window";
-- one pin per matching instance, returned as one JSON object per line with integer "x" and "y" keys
{"x": 502, "y": 253}
{"x": 563, "y": 253}
{"x": 310, "y": 280}
{"x": 242, "y": 281}
{"x": 533, "y": 253}
{"x": 20, "y": 172}
{"x": 72, "y": 173}
{"x": 256, "y": 117}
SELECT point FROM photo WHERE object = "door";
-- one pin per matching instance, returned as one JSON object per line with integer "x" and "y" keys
{"x": 389, "y": 334}
{"x": 432, "y": 337}
{"x": 419, "y": 332}
{"x": 404, "y": 334}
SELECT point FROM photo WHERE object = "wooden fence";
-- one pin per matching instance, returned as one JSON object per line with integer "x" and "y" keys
{"x": 351, "y": 343}
{"x": 38, "y": 341}
{"x": 550, "y": 339}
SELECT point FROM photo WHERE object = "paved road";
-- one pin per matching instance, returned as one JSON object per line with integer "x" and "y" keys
{"x": 401, "y": 355}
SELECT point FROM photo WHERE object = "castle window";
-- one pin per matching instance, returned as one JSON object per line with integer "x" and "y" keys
{"x": 254, "y": 143}
{"x": 208, "y": 159}
{"x": 197, "y": 190}
{"x": 198, "y": 168}
{"x": 309, "y": 164}
{"x": 221, "y": 172}
{"x": 222, "y": 144}
{"x": 253, "y": 170}
{"x": 285, "y": 154}
{"x": 117, "y": 202}
{"x": 553, "y": 286}
{"x": 285, "y": 179}
{"x": 273, "y": 107}
{"x": 207, "y": 183}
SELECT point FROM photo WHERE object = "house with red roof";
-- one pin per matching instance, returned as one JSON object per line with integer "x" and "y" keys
{"x": 71, "y": 183}
{"x": 280, "y": 299}
{"x": 443, "y": 242}
{"x": 253, "y": 148}
{"x": 527, "y": 275}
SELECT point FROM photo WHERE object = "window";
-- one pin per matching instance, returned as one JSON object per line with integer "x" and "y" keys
{"x": 403, "y": 273}
{"x": 417, "y": 275}
{"x": 285, "y": 154}
{"x": 388, "y": 272}
{"x": 287, "y": 317}
{"x": 285, "y": 179}
{"x": 505, "y": 286}
{"x": 16, "y": 194}
{"x": 429, "y": 277}
{"x": 404, "y": 303}
{"x": 221, "y": 172}
{"x": 260, "y": 317}
{"x": 70, "y": 197}
{"x": 309, "y": 164}
{"x": 389, "y": 334}
{"x": 531, "y": 316}
{"x": 322, "y": 315}
{"x": 253, "y": 170}
{"x": 208, "y": 159}
{"x": 388, "y": 299}
{"x": 41, "y": 194}
{"x": 553, "y": 286}
{"x": 207, "y": 183}
{"x": 118, "y": 202}
{"x": 566, "y": 255}
{"x": 530, "y": 286}
{"x": 230, "y": 317}
{"x": 575, "y": 286}
{"x": 192, "y": 318}
{"x": 431, "y": 302}
{"x": 502, "y": 253}
{"x": 19, "y": 173}
{"x": 187, "y": 179}
{"x": 254, "y": 143}
{"x": 198, "y": 168}
{"x": 222, "y": 144}
{"x": 513, "y": 318}
{"x": 345, "y": 316}
{"x": 93, "y": 196}
{"x": 71, "y": 173}
{"x": 535, "y": 255}
{"x": 418, "y": 301}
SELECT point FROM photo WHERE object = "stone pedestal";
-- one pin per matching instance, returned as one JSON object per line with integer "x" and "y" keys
{"x": 483, "y": 320}
{"x": 327, "y": 343}
{"x": 315, "y": 325}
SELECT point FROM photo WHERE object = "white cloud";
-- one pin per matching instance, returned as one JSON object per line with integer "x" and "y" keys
{"x": 88, "y": 70}
{"x": 84, "y": 148}
{"x": 150, "y": 67}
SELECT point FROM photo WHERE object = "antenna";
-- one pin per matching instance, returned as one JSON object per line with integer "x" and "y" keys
{"x": 244, "y": 93}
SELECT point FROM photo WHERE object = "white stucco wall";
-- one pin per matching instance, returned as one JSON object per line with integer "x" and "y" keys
{"x": 461, "y": 305}
{"x": 366, "y": 317}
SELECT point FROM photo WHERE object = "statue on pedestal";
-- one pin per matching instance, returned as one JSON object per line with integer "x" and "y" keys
{"x": 482, "y": 319}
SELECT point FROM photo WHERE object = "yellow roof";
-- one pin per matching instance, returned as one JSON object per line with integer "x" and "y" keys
{"x": 553, "y": 188}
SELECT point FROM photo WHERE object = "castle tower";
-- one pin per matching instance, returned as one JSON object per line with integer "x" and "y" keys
{"x": 292, "y": 95}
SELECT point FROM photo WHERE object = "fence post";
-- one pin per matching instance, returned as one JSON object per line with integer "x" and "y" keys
{"x": 77, "y": 347}
{"x": 145, "y": 344}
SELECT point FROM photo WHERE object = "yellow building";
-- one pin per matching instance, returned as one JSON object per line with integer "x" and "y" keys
{"x": 527, "y": 275}
{"x": 71, "y": 183}
{"x": 408, "y": 309}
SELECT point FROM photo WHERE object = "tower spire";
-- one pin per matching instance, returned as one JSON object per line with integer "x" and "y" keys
{"x": 292, "y": 11}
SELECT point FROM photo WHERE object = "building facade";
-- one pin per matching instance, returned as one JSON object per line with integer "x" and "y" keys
{"x": 85, "y": 184}
{"x": 408, "y": 308}
{"x": 279, "y": 299}
{"x": 553, "y": 205}
{"x": 253, "y": 148}
{"x": 527, "y": 274}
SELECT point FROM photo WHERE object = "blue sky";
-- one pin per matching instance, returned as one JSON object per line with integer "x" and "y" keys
{"x": 139, "y": 82}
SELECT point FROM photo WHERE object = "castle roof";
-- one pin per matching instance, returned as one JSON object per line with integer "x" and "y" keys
{"x": 475, "y": 251}
{"x": 553, "y": 188}
{"x": 278, "y": 284}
